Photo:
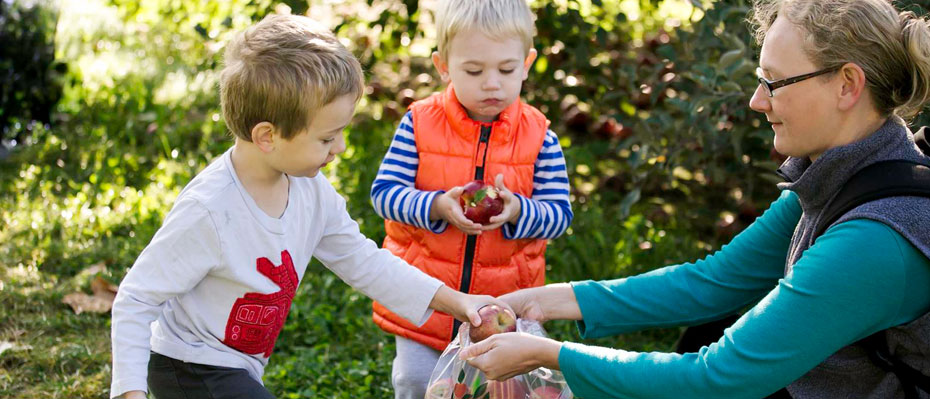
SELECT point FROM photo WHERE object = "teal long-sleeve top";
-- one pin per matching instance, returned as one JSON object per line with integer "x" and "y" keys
{"x": 860, "y": 277}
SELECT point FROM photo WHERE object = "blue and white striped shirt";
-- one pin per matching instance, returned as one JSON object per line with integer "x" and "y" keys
{"x": 546, "y": 215}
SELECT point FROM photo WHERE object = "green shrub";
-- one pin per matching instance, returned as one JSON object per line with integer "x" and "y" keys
{"x": 28, "y": 71}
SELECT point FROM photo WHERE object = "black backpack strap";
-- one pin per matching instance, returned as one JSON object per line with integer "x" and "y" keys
{"x": 921, "y": 139}
{"x": 882, "y": 180}
{"x": 876, "y": 345}
{"x": 879, "y": 180}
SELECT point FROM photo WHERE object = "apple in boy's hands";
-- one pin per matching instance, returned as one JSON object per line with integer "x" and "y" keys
{"x": 546, "y": 392}
{"x": 481, "y": 201}
{"x": 494, "y": 320}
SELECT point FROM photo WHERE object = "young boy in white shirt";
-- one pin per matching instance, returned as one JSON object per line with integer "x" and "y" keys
{"x": 199, "y": 312}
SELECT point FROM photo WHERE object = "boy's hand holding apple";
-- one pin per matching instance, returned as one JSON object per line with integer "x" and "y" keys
{"x": 447, "y": 206}
{"x": 462, "y": 306}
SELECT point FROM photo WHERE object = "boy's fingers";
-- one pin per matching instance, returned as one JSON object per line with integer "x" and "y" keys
{"x": 474, "y": 318}
{"x": 455, "y": 192}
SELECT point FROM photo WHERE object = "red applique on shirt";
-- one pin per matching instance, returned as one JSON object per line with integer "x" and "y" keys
{"x": 256, "y": 319}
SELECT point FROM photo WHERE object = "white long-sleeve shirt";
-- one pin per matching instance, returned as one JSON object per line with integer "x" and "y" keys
{"x": 216, "y": 282}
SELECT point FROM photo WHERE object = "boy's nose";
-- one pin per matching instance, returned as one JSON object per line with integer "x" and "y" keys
{"x": 493, "y": 82}
{"x": 339, "y": 146}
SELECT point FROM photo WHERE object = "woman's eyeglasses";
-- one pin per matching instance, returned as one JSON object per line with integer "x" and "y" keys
{"x": 771, "y": 85}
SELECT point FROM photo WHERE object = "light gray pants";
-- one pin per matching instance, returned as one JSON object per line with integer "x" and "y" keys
{"x": 412, "y": 367}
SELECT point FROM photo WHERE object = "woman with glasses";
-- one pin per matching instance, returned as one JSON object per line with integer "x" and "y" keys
{"x": 837, "y": 78}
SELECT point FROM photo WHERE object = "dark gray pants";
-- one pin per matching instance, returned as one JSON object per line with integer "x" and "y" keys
{"x": 170, "y": 378}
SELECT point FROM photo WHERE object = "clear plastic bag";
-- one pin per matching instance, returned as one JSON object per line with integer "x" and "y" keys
{"x": 453, "y": 378}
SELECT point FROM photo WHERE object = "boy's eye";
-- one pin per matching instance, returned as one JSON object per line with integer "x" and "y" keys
{"x": 329, "y": 140}
{"x": 473, "y": 73}
{"x": 507, "y": 71}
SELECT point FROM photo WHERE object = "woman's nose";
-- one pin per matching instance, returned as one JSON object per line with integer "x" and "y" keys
{"x": 760, "y": 101}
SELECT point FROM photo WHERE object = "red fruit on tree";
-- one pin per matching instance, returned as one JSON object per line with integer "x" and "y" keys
{"x": 481, "y": 201}
{"x": 494, "y": 320}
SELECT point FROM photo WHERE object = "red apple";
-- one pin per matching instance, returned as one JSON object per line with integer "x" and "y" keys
{"x": 494, "y": 320}
{"x": 441, "y": 389}
{"x": 481, "y": 201}
{"x": 510, "y": 389}
{"x": 547, "y": 392}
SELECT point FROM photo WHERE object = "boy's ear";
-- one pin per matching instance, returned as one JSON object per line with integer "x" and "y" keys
{"x": 441, "y": 67}
{"x": 263, "y": 136}
{"x": 528, "y": 62}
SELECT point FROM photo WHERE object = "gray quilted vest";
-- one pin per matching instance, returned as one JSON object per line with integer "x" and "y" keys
{"x": 849, "y": 373}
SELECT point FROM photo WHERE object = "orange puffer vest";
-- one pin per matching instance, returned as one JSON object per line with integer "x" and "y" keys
{"x": 452, "y": 149}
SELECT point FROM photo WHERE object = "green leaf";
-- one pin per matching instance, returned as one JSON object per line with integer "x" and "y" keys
{"x": 461, "y": 378}
{"x": 482, "y": 390}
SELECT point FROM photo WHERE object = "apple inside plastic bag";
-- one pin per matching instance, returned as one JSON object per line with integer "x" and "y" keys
{"x": 453, "y": 378}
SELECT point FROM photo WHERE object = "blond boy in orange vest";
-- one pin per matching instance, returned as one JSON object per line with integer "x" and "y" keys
{"x": 476, "y": 129}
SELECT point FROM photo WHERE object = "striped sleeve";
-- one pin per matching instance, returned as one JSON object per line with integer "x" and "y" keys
{"x": 548, "y": 213}
{"x": 393, "y": 194}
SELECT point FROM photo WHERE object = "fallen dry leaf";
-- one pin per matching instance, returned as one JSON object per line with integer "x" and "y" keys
{"x": 103, "y": 288}
{"x": 102, "y": 299}
{"x": 81, "y": 302}
{"x": 12, "y": 346}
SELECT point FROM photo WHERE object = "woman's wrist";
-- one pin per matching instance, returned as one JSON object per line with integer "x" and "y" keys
{"x": 558, "y": 302}
{"x": 547, "y": 353}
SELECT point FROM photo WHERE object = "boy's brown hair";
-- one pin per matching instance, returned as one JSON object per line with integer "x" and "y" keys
{"x": 282, "y": 70}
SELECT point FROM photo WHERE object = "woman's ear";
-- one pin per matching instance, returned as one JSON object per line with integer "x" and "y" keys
{"x": 528, "y": 62}
{"x": 852, "y": 78}
{"x": 263, "y": 136}
{"x": 441, "y": 67}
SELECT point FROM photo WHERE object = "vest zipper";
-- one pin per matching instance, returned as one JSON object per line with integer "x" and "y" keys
{"x": 481, "y": 154}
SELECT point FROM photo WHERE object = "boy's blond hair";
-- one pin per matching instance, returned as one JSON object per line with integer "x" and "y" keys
{"x": 282, "y": 70}
{"x": 498, "y": 19}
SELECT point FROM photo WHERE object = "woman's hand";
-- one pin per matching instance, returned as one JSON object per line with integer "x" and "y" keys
{"x": 549, "y": 302}
{"x": 512, "y": 206}
{"x": 133, "y": 395}
{"x": 464, "y": 307}
{"x": 524, "y": 304}
{"x": 502, "y": 356}
{"x": 447, "y": 206}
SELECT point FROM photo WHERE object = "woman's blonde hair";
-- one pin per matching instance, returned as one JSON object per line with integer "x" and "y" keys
{"x": 498, "y": 19}
{"x": 893, "y": 48}
{"x": 283, "y": 70}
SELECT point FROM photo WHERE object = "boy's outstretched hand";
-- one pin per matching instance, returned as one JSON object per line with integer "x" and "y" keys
{"x": 512, "y": 207}
{"x": 133, "y": 395}
{"x": 463, "y": 307}
{"x": 447, "y": 206}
